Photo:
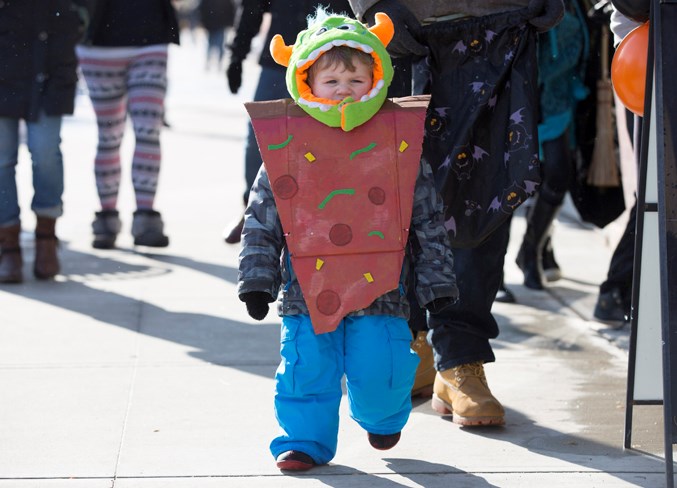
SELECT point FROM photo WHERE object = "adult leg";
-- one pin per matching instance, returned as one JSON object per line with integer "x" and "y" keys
{"x": 147, "y": 87}
{"x": 105, "y": 71}
{"x": 614, "y": 300}
{"x": 466, "y": 126}
{"x": 615, "y": 293}
{"x": 9, "y": 156}
{"x": 380, "y": 368}
{"x": 460, "y": 336}
{"x": 308, "y": 390}
{"x": 557, "y": 169}
{"x": 219, "y": 37}
{"x": 44, "y": 140}
{"x": 271, "y": 86}
{"x": 11, "y": 262}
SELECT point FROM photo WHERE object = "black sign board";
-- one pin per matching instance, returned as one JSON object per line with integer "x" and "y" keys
{"x": 656, "y": 237}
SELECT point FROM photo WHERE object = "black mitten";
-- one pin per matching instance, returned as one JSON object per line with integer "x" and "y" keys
{"x": 548, "y": 13}
{"x": 234, "y": 75}
{"x": 257, "y": 303}
{"x": 439, "y": 305}
{"x": 406, "y": 26}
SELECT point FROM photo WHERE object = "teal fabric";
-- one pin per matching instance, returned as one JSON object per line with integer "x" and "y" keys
{"x": 562, "y": 54}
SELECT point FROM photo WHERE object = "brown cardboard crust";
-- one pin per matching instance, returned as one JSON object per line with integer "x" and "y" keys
{"x": 286, "y": 106}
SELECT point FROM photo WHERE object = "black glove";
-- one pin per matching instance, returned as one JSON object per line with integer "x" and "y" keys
{"x": 257, "y": 303}
{"x": 547, "y": 13}
{"x": 406, "y": 27}
{"x": 234, "y": 75}
{"x": 439, "y": 305}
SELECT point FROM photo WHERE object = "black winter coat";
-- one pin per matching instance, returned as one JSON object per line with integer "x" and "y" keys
{"x": 216, "y": 14}
{"x": 126, "y": 23}
{"x": 37, "y": 57}
{"x": 285, "y": 19}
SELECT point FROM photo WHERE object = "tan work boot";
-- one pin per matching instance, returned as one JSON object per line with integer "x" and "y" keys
{"x": 425, "y": 372}
{"x": 11, "y": 262}
{"x": 46, "y": 264}
{"x": 463, "y": 391}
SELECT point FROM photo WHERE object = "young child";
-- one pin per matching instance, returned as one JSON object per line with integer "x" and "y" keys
{"x": 327, "y": 228}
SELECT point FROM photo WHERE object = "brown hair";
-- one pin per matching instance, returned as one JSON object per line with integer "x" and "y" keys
{"x": 341, "y": 55}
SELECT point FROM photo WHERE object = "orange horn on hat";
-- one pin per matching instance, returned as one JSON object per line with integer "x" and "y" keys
{"x": 383, "y": 28}
{"x": 279, "y": 50}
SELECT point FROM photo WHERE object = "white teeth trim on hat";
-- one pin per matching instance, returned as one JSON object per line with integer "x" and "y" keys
{"x": 322, "y": 106}
{"x": 337, "y": 42}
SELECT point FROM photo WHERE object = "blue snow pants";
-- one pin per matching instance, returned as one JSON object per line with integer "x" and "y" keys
{"x": 375, "y": 355}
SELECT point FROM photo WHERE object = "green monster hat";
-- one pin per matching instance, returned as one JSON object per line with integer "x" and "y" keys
{"x": 321, "y": 35}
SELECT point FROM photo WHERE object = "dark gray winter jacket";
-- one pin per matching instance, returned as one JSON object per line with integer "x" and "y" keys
{"x": 265, "y": 264}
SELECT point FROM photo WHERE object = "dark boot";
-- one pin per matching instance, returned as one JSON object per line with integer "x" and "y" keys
{"x": 46, "y": 264}
{"x": 504, "y": 295}
{"x": 106, "y": 227}
{"x": 551, "y": 270}
{"x": 148, "y": 229}
{"x": 233, "y": 231}
{"x": 529, "y": 257}
{"x": 11, "y": 262}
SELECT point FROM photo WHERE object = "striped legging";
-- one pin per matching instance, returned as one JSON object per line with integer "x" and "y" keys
{"x": 126, "y": 80}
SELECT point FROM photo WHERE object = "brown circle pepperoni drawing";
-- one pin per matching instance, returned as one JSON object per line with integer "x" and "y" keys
{"x": 377, "y": 195}
{"x": 328, "y": 302}
{"x": 285, "y": 187}
{"x": 340, "y": 234}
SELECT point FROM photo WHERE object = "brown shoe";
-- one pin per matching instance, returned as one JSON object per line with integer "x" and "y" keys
{"x": 11, "y": 262}
{"x": 463, "y": 391}
{"x": 46, "y": 264}
{"x": 233, "y": 233}
{"x": 425, "y": 372}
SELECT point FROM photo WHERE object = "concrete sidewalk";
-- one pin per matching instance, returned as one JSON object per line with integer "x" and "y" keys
{"x": 140, "y": 367}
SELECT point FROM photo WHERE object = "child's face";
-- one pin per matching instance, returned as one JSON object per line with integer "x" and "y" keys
{"x": 336, "y": 82}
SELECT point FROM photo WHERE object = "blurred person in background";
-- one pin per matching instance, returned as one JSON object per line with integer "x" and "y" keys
{"x": 562, "y": 60}
{"x": 614, "y": 301}
{"x": 216, "y": 16}
{"x": 124, "y": 62}
{"x": 38, "y": 77}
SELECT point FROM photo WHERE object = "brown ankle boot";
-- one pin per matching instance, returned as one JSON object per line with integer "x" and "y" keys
{"x": 425, "y": 372}
{"x": 46, "y": 263}
{"x": 11, "y": 263}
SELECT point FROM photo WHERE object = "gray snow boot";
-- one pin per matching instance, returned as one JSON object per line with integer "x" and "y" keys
{"x": 148, "y": 229}
{"x": 106, "y": 227}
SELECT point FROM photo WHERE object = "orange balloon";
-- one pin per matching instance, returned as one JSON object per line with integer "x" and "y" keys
{"x": 628, "y": 69}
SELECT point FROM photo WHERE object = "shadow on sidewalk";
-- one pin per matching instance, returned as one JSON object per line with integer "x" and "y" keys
{"x": 212, "y": 338}
{"x": 421, "y": 472}
{"x": 521, "y": 430}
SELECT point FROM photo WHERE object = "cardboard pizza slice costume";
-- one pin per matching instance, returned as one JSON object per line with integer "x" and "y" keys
{"x": 344, "y": 197}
